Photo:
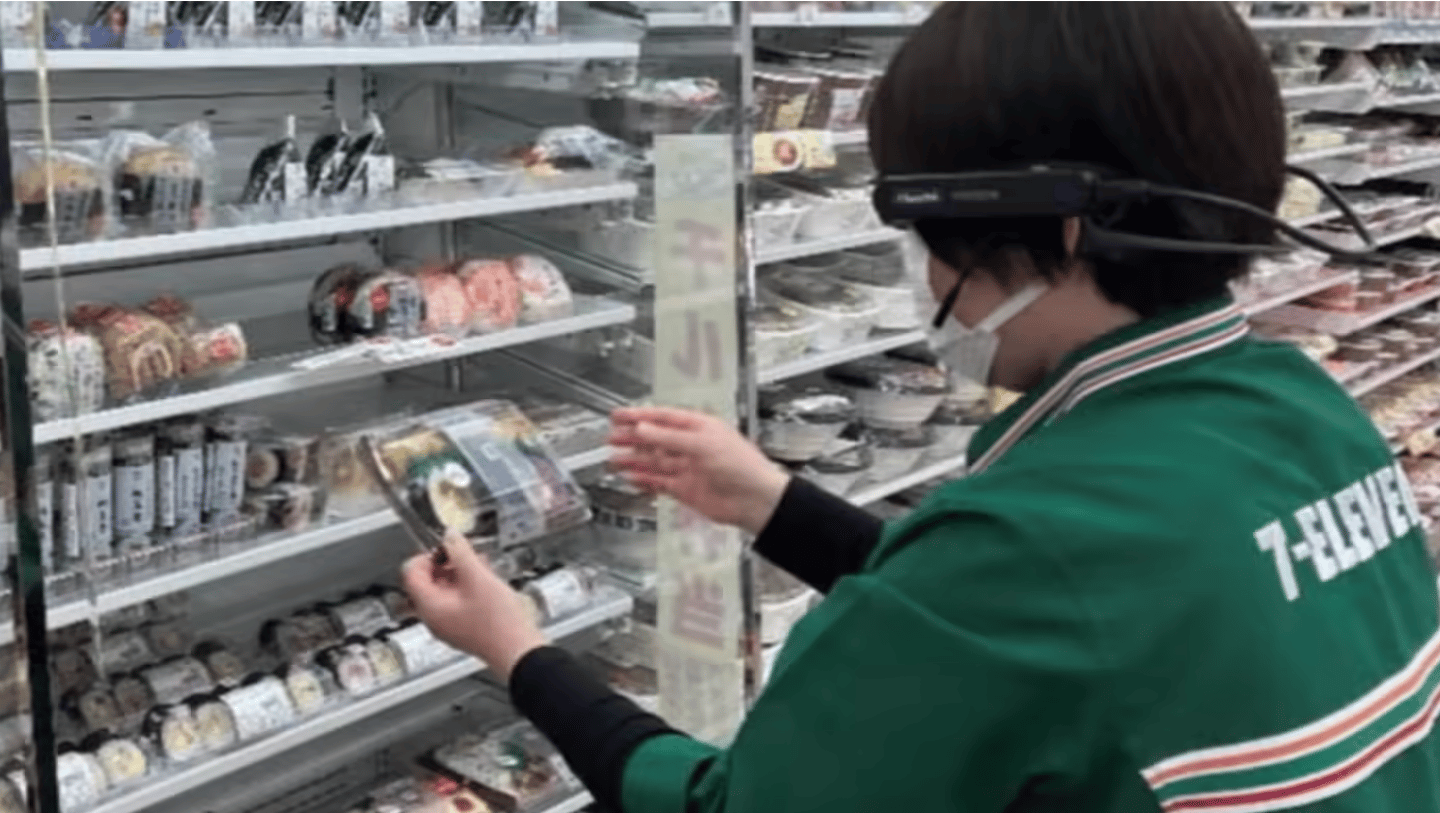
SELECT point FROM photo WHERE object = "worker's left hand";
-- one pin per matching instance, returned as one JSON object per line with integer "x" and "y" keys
{"x": 470, "y": 608}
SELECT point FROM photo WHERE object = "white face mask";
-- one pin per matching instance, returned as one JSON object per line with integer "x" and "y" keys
{"x": 969, "y": 354}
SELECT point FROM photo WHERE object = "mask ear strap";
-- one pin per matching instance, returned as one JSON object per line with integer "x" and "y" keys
{"x": 1019, "y": 302}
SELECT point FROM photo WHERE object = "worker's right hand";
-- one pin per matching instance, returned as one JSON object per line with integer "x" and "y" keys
{"x": 699, "y": 460}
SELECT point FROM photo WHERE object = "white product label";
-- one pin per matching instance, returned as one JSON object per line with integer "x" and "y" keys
{"x": 260, "y": 708}
{"x": 79, "y": 779}
{"x": 134, "y": 501}
{"x": 242, "y": 19}
{"x": 379, "y": 174}
{"x": 145, "y": 26}
{"x": 297, "y": 185}
{"x": 18, "y": 19}
{"x": 420, "y": 649}
{"x": 165, "y": 491}
{"x": 547, "y": 18}
{"x": 124, "y": 651}
{"x": 561, "y": 593}
{"x": 844, "y": 107}
{"x": 225, "y": 476}
{"x": 365, "y": 616}
{"x": 321, "y": 23}
{"x": 172, "y": 682}
{"x": 469, "y": 19}
{"x": 70, "y": 521}
{"x": 394, "y": 18}
{"x": 190, "y": 486}
{"x": 45, "y": 522}
{"x": 99, "y": 516}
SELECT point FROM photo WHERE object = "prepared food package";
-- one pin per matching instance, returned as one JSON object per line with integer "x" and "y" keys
{"x": 544, "y": 293}
{"x": 512, "y": 768}
{"x": 80, "y": 187}
{"x": 164, "y": 184}
{"x": 479, "y": 470}
{"x": 493, "y": 292}
{"x": 277, "y": 174}
{"x": 67, "y": 371}
{"x": 447, "y": 306}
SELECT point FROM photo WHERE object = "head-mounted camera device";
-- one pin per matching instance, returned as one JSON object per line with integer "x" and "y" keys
{"x": 1094, "y": 195}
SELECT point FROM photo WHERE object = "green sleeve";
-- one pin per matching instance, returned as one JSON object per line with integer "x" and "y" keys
{"x": 947, "y": 677}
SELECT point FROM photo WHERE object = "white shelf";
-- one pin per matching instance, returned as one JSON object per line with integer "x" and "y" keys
{"x": 1350, "y": 33}
{"x": 819, "y": 361}
{"x": 611, "y": 604}
{"x": 1415, "y": 103}
{"x": 1285, "y": 297}
{"x": 270, "y": 377}
{"x": 1431, "y": 162}
{"x": 1371, "y": 383}
{"x": 879, "y": 491}
{"x": 1338, "y": 323}
{"x": 809, "y": 18}
{"x": 1347, "y": 97}
{"x": 264, "y": 551}
{"x": 1309, "y": 156}
{"x": 809, "y": 248}
{"x": 23, "y": 59}
{"x": 34, "y": 260}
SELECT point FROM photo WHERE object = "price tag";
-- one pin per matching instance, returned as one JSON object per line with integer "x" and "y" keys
{"x": 1418, "y": 443}
{"x": 778, "y": 152}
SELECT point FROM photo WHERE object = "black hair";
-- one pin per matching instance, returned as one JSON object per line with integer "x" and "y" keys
{"x": 1173, "y": 93}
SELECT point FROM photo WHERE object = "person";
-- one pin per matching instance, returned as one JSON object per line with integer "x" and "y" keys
{"x": 1184, "y": 572}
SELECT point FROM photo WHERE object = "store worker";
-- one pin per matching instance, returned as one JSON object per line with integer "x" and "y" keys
{"x": 1185, "y": 573}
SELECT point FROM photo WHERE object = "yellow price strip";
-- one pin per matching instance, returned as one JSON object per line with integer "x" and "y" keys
{"x": 793, "y": 150}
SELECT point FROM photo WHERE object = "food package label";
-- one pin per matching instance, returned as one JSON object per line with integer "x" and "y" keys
{"x": 189, "y": 488}
{"x": 80, "y": 780}
{"x": 225, "y": 477}
{"x": 504, "y": 469}
{"x": 45, "y": 521}
{"x": 320, "y": 23}
{"x": 145, "y": 27}
{"x": 365, "y": 616}
{"x": 296, "y": 185}
{"x": 547, "y": 18}
{"x": 420, "y": 650}
{"x": 242, "y": 20}
{"x": 172, "y": 682}
{"x": 134, "y": 501}
{"x": 72, "y": 534}
{"x": 469, "y": 19}
{"x": 165, "y": 491}
{"x": 98, "y": 514}
{"x": 563, "y": 592}
{"x": 260, "y": 708}
{"x": 394, "y": 19}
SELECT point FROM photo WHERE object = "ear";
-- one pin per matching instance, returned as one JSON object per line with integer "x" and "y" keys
{"x": 1070, "y": 236}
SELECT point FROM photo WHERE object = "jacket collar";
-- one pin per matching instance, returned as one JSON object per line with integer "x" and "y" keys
{"x": 1110, "y": 359}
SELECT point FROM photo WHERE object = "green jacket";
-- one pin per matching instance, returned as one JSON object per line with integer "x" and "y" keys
{"x": 1185, "y": 574}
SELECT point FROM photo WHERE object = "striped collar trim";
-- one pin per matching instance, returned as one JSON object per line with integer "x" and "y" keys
{"x": 1192, "y": 337}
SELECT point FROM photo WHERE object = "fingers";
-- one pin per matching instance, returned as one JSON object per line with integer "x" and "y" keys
{"x": 418, "y": 577}
{"x": 667, "y": 416}
{"x": 688, "y": 442}
{"x": 649, "y": 463}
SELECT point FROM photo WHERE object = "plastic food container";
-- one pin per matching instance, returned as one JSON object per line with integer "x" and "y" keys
{"x": 892, "y": 393}
{"x": 839, "y": 471}
{"x": 625, "y": 527}
{"x": 898, "y": 306}
{"x": 777, "y": 215}
{"x": 830, "y": 264}
{"x": 798, "y": 424}
{"x": 878, "y": 264}
{"x": 838, "y": 211}
{"x": 897, "y": 451}
{"x": 954, "y": 423}
{"x": 845, "y": 315}
{"x": 628, "y": 242}
{"x": 782, "y": 334}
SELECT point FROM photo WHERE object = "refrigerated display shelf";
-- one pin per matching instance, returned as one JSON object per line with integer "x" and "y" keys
{"x": 877, "y": 343}
{"x": 33, "y": 261}
{"x": 263, "y": 551}
{"x": 1287, "y": 296}
{"x": 1351, "y": 33}
{"x": 1327, "y": 153}
{"x": 1371, "y": 383}
{"x": 278, "y": 376}
{"x": 1340, "y": 97}
{"x": 878, "y": 491}
{"x": 1426, "y": 164}
{"x": 809, "y": 15}
{"x": 1343, "y": 324}
{"x": 23, "y": 60}
{"x": 611, "y": 604}
{"x": 809, "y": 248}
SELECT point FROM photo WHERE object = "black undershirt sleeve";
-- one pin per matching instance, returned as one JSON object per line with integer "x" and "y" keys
{"x": 818, "y": 537}
{"x": 594, "y": 727}
{"x": 814, "y": 535}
